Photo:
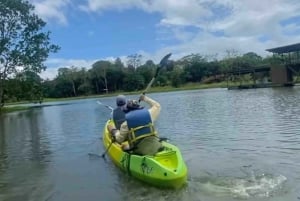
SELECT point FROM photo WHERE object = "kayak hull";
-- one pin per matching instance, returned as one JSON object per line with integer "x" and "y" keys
{"x": 165, "y": 169}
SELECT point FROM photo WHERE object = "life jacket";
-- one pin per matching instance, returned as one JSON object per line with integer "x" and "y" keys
{"x": 139, "y": 125}
{"x": 118, "y": 117}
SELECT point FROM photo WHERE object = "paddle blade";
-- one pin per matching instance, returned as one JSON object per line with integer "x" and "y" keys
{"x": 162, "y": 63}
{"x": 164, "y": 60}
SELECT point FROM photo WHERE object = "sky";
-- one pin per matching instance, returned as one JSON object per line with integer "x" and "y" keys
{"x": 92, "y": 30}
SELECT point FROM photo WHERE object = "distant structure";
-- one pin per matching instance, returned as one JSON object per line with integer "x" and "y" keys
{"x": 282, "y": 74}
{"x": 279, "y": 73}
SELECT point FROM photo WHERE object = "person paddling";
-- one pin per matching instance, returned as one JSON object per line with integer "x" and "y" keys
{"x": 135, "y": 124}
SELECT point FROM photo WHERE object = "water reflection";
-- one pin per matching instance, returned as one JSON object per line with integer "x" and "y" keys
{"x": 3, "y": 148}
{"x": 24, "y": 157}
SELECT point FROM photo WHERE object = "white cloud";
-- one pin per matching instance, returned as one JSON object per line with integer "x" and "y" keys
{"x": 55, "y": 63}
{"x": 240, "y": 24}
{"x": 183, "y": 12}
{"x": 51, "y": 9}
{"x": 99, "y": 5}
{"x": 256, "y": 17}
{"x": 49, "y": 73}
{"x": 69, "y": 62}
{"x": 234, "y": 18}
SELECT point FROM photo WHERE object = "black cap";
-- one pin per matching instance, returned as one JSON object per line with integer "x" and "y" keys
{"x": 121, "y": 100}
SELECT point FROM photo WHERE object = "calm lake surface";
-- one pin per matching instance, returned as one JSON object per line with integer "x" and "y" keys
{"x": 237, "y": 144}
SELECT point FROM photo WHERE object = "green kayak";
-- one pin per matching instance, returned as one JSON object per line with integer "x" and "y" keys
{"x": 165, "y": 169}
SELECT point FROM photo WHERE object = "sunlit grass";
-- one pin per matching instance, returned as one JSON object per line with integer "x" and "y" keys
{"x": 13, "y": 109}
{"x": 188, "y": 86}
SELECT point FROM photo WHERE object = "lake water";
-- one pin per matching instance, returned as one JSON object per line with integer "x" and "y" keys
{"x": 237, "y": 144}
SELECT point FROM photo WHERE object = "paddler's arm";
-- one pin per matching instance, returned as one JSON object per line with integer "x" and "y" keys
{"x": 154, "y": 109}
{"x": 119, "y": 135}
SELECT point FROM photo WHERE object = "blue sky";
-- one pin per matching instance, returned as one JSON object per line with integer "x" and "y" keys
{"x": 90, "y": 30}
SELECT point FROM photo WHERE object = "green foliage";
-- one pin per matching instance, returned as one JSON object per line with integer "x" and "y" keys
{"x": 23, "y": 43}
{"x": 85, "y": 89}
{"x": 100, "y": 68}
{"x": 25, "y": 86}
{"x": 134, "y": 60}
{"x": 177, "y": 78}
{"x": 12, "y": 109}
{"x": 118, "y": 63}
{"x": 147, "y": 70}
{"x": 75, "y": 81}
{"x": 191, "y": 60}
{"x": 194, "y": 72}
{"x": 133, "y": 82}
{"x": 162, "y": 79}
{"x": 115, "y": 76}
{"x": 31, "y": 86}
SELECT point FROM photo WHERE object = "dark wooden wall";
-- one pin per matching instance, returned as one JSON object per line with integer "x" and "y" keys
{"x": 280, "y": 74}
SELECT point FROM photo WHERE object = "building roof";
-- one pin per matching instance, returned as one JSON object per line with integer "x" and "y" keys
{"x": 242, "y": 71}
{"x": 285, "y": 49}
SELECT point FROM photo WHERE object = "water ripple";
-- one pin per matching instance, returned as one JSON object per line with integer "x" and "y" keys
{"x": 217, "y": 130}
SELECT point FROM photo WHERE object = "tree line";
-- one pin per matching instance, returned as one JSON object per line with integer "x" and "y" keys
{"x": 106, "y": 76}
{"x": 25, "y": 45}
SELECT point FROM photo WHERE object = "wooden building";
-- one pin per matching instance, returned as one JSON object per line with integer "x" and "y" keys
{"x": 287, "y": 65}
{"x": 281, "y": 72}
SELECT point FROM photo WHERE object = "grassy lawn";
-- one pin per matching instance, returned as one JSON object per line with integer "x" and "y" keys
{"x": 13, "y": 109}
{"x": 189, "y": 86}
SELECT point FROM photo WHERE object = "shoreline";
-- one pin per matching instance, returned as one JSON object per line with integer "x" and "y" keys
{"x": 12, "y": 107}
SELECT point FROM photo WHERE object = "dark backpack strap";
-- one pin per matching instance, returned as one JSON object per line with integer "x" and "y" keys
{"x": 118, "y": 117}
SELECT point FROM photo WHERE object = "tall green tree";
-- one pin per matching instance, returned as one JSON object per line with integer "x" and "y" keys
{"x": 84, "y": 86}
{"x": 147, "y": 70}
{"x": 118, "y": 63}
{"x": 31, "y": 86}
{"x": 23, "y": 41}
{"x": 251, "y": 59}
{"x": 176, "y": 77}
{"x": 194, "y": 67}
{"x": 100, "y": 70}
{"x": 133, "y": 82}
{"x": 70, "y": 75}
{"x": 134, "y": 60}
{"x": 114, "y": 78}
